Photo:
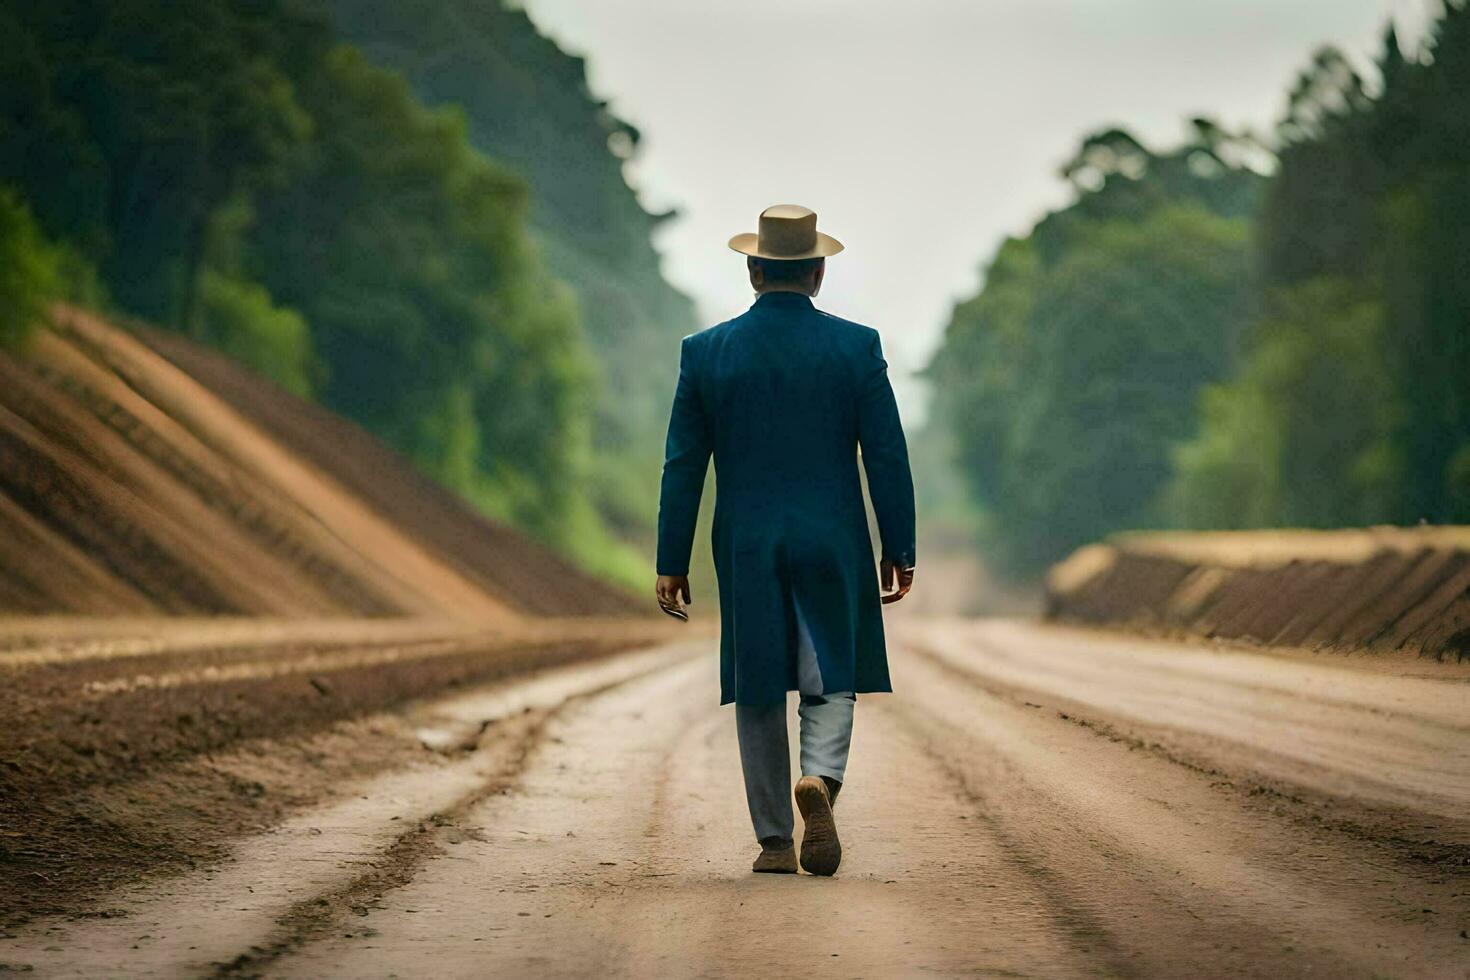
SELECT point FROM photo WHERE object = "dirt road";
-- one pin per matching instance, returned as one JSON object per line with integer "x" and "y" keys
{"x": 1033, "y": 802}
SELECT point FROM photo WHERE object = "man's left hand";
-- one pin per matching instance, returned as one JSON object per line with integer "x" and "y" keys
{"x": 905, "y": 577}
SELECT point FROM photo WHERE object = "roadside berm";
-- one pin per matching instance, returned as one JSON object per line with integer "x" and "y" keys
{"x": 219, "y": 602}
{"x": 1372, "y": 589}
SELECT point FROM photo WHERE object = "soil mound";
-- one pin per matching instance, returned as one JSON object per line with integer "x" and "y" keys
{"x": 1369, "y": 589}
{"x": 144, "y": 478}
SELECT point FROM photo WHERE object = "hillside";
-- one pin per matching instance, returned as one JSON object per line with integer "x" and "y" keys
{"x": 237, "y": 173}
{"x": 526, "y": 102}
{"x": 134, "y": 484}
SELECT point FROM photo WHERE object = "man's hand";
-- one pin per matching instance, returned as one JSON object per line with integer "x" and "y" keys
{"x": 669, "y": 588}
{"x": 905, "y": 580}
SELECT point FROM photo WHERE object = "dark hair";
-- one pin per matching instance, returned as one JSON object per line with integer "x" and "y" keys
{"x": 786, "y": 272}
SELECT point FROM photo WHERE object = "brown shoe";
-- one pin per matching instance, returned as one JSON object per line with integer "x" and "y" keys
{"x": 776, "y": 861}
{"x": 821, "y": 851}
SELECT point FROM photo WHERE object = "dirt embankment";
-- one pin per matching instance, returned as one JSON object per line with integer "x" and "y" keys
{"x": 497, "y": 558}
{"x": 134, "y": 483}
{"x": 1377, "y": 589}
{"x": 196, "y": 565}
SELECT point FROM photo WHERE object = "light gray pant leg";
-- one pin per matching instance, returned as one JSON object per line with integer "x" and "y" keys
{"x": 826, "y": 719}
{"x": 765, "y": 758}
{"x": 826, "y": 733}
{"x": 765, "y": 749}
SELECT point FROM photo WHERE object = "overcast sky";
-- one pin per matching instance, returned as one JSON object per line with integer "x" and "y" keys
{"x": 922, "y": 132}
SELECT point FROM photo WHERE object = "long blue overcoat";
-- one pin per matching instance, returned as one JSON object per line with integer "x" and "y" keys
{"x": 783, "y": 396}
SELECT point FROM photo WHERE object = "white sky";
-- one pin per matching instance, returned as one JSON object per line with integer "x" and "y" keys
{"x": 921, "y": 132}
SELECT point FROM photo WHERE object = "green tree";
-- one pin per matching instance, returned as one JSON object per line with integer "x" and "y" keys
{"x": 126, "y": 124}
{"x": 1330, "y": 356}
{"x": 406, "y": 252}
{"x": 1304, "y": 434}
{"x": 239, "y": 317}
{"x": 30, "y": 272}
{"x": 237, "y": 174}
{"x": 1374, "y": 190}
{"x": 526, "y": 102}
{"x": 1066, "y": 381}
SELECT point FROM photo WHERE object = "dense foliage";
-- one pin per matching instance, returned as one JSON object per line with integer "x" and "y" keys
{"x": 233, "y": 170}
{"x": 1191, "y": 344}
{"x": 30, "y": 275}
{"x": 1353, "y": 403}
{"x": 526, "y": 102}
{"x": 405, "y": 250}
{"x": 1067, "y": 380}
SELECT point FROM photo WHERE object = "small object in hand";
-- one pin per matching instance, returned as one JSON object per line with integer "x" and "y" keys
{"x": 896, "y": 580}
{"x": 668, "y": 590}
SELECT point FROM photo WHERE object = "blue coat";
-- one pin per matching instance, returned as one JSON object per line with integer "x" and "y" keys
{"x": 782, "y": 396}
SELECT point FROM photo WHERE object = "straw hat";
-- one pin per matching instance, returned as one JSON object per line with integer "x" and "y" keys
{"x": 787, "y": 231}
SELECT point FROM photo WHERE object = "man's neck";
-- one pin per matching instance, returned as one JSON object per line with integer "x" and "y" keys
{"x": 783, "y": 289}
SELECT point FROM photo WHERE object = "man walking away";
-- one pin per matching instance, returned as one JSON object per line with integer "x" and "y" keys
{"x": 784, "y": 396}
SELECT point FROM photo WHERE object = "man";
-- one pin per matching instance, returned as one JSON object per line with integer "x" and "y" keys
{"x": 784, "y": 396}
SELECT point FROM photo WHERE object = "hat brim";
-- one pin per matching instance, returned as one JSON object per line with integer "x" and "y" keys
{"x": 748, "y": 243}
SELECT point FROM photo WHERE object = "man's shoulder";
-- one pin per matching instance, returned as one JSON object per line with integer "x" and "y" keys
{"x": 858, "y": 337}
{"x": 700, "y": 338}
{"x": 845, "y": 326}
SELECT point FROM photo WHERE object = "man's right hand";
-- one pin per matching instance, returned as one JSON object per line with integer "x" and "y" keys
{"x": 670, "y": 588}
{"x": 905, "y": 577}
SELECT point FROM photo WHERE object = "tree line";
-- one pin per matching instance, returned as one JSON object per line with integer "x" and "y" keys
{"x": 239, "y": 171}
{"x": 1235, "y": 332}
{"x": 526, "y": 103}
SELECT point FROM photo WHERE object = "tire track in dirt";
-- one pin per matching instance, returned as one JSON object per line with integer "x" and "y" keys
{"x": 636, "y": 864}
{"x": 335, "y": 861}
{"x": 399, "y": 863}
{"x": 1317, "y": 791}
{"x": 1054, "y": 866}
{"x": 82, "y": 734}
{"x": 1089, "y": 934}
{"x": 1181, "y": 878}
{"x": 509, "y": 833}
{"x": 987, "y": 830}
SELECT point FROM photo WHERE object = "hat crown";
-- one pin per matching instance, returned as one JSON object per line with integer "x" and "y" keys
{"x": 787, "y": 232}
{"x": 787, "y": 229}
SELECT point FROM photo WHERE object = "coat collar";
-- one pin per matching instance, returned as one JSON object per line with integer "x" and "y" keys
{"x": 782, "y": 300}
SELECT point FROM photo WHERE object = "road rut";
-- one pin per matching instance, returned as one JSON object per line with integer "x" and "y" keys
{"x": 1032, "y": 802}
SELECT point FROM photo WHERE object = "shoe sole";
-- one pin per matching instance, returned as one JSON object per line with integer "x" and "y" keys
{"x": 785, "y": 869}
{"x": 821, "y": 851}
